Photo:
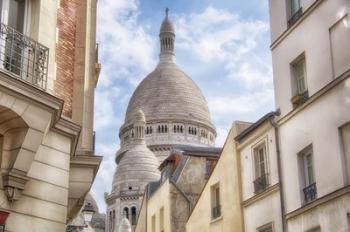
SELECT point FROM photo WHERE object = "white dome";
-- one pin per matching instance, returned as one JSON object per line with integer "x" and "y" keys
{"x": 138, "y": 166}
{"x": 168, "y": 93}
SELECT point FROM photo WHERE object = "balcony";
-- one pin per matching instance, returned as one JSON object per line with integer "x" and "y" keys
{"x": 25, "y": 58}
{"x": 295, "y": 17}
{"x": 216, "y": 212}
{"x": 299, "y": 99}
{"x": 310, "y": 193}
{"x": 261, "y": 183}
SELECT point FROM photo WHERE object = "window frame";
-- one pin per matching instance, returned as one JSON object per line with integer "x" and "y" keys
{"x": 264, "y": 228}
{"x": 308, "y": 185}
{"x": 295, "y": 79}
{"x": 215, "y": 205}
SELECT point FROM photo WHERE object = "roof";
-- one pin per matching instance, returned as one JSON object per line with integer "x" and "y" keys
{"x": 255, "y": 125}
{"x": 189, "y": 150}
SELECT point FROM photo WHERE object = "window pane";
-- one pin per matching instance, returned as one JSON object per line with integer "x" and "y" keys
{"x": 217, "y": 196}
{"x": 16, "y": 14}
{"x": 295, "y": 5}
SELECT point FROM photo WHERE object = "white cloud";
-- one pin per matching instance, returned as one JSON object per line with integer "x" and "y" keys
{"x": 217, "y": 35}
{"x": 127, "y": 49}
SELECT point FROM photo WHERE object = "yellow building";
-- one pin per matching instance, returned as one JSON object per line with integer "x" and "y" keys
{"x": 219, "y": 206}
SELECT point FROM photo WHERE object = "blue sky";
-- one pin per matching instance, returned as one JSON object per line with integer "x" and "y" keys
{"x": 222, "y": 44}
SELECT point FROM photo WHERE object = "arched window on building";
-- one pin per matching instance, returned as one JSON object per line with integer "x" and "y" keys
{"x": 126, "y": 212}
{"x": 195, "y": 131}
{"x": 110, "y": 222}
{"x": 133, "y": 215}
{"x": 181, "y": 129}
{"x": 158, "y": 129}
{"x": 113, "y": 220}
{"x": 174, "y": 129}
{"x": 166, "y": 128}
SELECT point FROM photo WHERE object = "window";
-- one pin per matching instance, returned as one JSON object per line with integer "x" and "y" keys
{"x": 113, "y": 220}
{"x": 345, "y": 139}
{"x": 153, "y": 225}
{"x": 13, "y": 14}
{"x": 299, "y": 84}
{"x": 133, "y": 215}
{"x": 307, "y": 172}
{"x": 266, "y": 228}
{"x": 209, "y": 166}
{"x": 126, "y": 212}
{"x": 215, "y": 201}
{"x": 260, "y": 168}
{"x": 295, "y": 11}
{"x": 161, "y": 221}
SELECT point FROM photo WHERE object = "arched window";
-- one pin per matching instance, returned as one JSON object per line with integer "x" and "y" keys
{"x": 166, "y": 128}
{"x": 110, "y": 222}
{"x": 181, "y": 129}
{"x": 195, "y": 131}
{"x": 151, "y": 130}
{"x": 132, "y": 134}
{"x": 174, "y": 129}
{"x": 113, "y": 220}
{"x": 162, "y": 128}
{"x": 126, "y": 212}
{"x": 158, "y": 129}
{"x": 133, "y": 215}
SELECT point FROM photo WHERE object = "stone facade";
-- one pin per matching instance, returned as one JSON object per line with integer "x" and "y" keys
{"x": 47, "y": 167}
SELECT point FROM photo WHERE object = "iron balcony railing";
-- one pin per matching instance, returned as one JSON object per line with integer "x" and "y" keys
{"x": 310, "y": 193}
{"x": 216, "y": 212}
{"x": 25, "y": 58}
{"x": 261, "y": 183}
{"x": 295, "y": 17}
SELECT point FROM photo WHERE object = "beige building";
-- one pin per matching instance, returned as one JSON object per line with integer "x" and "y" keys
{"x": 259, "y": 176}
{"x": 311, "y": 64}
{"x": 49, "y": 70}
{"x": 168, "y": 202}
{"x": 242, "y": 194}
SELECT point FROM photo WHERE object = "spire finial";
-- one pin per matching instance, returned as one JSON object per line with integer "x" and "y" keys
{"x": 166, "y": 12}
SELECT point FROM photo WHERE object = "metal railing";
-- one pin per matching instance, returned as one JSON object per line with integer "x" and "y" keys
{"x": 310, "y": 193}
{"x": 294, "y": 18}
{"x": 23, "y": 56}
{"x": 216, "y": 212}
{"x": 261, "y": 183}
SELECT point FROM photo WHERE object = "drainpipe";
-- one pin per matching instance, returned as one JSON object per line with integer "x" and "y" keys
{"x": 279, "y": 168}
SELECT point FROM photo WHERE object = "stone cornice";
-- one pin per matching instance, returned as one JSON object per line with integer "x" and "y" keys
{"x": 270, "y": 190}
{"x": 92, "y": 161}
{"x": 318, "y": 202}
{"x": 10, "y": 84}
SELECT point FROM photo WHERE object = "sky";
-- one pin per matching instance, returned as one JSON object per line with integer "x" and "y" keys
{"x": 223, "y": 45}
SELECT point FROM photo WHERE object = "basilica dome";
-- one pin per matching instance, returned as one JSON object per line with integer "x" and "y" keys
{"x": 174, "y": 106}
{"x": 168, "y": 93}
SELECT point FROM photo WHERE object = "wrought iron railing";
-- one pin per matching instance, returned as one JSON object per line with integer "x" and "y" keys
{"x": 216, "y": 212}
{"x": 294, "y": 18}
{"x": 23, "y": 56}
{"x": 261, "y": 183}
{"x": 310, "y": 193}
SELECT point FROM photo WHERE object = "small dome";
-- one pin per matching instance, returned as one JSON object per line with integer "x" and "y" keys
{"x": 167, "y": 26}
{"x": 139, "y": 116}
{"x": 138, "y": 166}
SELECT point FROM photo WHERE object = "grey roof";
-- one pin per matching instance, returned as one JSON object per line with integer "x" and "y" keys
{"x": 255, "y": 125}
{"x": 198, "y": 150}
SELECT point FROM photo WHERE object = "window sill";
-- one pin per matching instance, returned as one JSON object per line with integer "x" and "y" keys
{"x": 216, "y": 219}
